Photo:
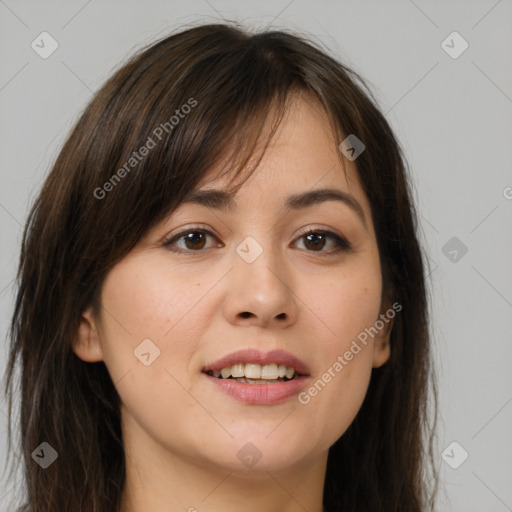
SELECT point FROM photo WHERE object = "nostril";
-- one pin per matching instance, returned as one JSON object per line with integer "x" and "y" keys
{"x": 245, "y": 314}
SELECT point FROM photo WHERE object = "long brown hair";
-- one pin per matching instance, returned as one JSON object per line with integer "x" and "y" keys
{"x": 104, "y": 192}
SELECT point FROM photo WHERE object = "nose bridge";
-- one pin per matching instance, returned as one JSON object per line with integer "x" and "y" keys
{"x": 258, "y": 259}
{"x": 259, "y": 284}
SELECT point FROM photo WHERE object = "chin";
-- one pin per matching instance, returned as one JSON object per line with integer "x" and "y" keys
{"x": 254, "y": 455}
{"x": 261, "y": 468}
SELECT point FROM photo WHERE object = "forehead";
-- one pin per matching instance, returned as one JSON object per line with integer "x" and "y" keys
{"x": 303, "y": 145}
{"x": 301, "y": 166}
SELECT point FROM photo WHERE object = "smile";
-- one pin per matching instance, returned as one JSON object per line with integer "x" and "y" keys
{"x": 251, "y": 373}
{"x": 258, "y": 378}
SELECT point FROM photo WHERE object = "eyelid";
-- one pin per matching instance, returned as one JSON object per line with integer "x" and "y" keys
{"x": 186, "y": 229}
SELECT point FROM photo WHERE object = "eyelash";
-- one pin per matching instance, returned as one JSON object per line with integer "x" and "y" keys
{"x": 342, "y": 244}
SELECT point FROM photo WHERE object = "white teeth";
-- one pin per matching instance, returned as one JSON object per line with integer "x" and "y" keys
{"x": 254, "y": 371}
{"x": 269, "y": 371}
{"x": 237, "y": 370}
{"x": 225, "y": 372}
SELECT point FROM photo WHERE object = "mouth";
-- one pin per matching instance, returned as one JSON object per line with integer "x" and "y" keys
{"x": 255, "y": 377}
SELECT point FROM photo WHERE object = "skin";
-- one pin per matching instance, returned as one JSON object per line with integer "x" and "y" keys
{"x": 181, "y": 434}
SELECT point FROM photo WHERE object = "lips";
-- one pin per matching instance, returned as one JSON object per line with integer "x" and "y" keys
{"x": 264, "y": 392}
{"x": 279, "y": 357}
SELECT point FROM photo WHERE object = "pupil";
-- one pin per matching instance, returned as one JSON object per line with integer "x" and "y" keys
{"x": 318, "y": 236}
{"x": 192, "y": 238}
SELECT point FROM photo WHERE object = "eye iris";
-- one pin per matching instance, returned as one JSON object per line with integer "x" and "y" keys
{"x": 317, "y": 236}
{"x": 193, "y": 238}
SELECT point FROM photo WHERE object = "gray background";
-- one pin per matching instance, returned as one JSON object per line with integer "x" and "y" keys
{"x": 452, "y": 115}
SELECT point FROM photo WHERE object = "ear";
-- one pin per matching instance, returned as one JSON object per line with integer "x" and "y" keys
{"x": 381, "y": 344}
{"x": 87, "y": 344}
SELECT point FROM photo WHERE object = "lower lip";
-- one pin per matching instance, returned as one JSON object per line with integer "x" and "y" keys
{"x": 260, "y": 394}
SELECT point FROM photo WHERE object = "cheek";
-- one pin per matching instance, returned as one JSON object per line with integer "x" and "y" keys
{"x": 338, "y": 390}
{"x": 346, "y": 308}
{"x": 143, "y": 298}
{"x": 345, "y": 302}
{"x": 143, "y": 301}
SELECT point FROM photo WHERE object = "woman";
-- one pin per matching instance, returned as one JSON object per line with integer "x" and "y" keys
{"x": 221, "y": 295}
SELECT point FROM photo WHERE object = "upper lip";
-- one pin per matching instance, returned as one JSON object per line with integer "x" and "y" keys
{"x": 256, "y": 356}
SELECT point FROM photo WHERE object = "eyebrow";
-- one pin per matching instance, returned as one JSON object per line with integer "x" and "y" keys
{"x": 222, "y": 200}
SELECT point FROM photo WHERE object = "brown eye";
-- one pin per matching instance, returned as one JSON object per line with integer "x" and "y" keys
{"x": 194, "y": 240}
{"x": 315, "y": 241}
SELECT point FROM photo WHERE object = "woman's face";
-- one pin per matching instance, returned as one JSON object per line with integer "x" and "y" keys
{"x": 249, "y": 277}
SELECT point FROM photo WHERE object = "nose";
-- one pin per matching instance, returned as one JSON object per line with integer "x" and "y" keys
{"x": 261, "y": 292}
